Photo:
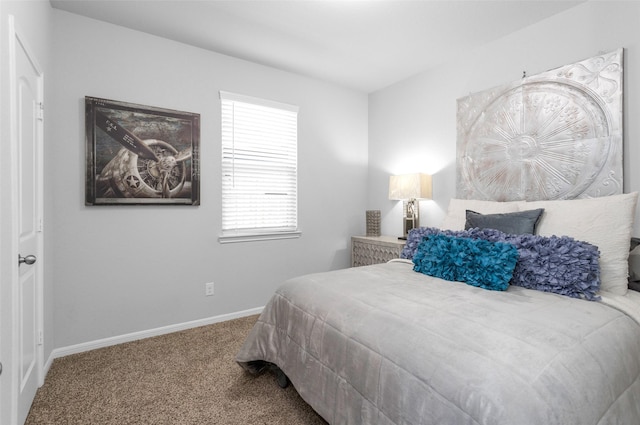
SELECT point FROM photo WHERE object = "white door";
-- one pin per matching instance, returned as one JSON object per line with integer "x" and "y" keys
{"x": 26, "y": 138}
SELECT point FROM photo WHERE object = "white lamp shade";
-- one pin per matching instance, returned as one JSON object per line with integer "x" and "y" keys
{"x": 410, "y": 186}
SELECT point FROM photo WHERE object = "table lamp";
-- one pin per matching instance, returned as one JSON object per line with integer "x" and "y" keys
{"x": 408, "y": 188}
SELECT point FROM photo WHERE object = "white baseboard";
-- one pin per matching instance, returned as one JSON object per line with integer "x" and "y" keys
{"x": 106, "y": 342}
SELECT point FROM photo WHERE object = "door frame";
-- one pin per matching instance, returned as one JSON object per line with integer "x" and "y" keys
{"x": 9, "y": 225}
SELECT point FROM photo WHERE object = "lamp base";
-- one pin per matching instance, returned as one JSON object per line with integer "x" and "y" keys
{"x": 409, "y": 222}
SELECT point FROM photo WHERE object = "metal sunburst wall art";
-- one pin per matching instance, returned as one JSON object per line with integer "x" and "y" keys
{"x": 555, "y": 135}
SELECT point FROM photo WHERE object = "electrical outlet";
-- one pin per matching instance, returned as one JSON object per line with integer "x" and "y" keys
{"x": 208, "y": 289}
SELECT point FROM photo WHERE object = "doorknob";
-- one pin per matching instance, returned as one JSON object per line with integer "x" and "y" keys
{"x": 29, "y": 259}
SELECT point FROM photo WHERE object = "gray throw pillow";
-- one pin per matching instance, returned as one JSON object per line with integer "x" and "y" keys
{"x": 634, "y": 264}
{"x": 515, "y": 223}
{"x": 634, "y": 268}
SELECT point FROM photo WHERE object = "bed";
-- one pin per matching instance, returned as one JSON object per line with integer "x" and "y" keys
{"x": 386, "y": 344}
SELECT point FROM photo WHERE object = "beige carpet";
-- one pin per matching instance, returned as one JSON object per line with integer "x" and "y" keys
{"x": 187, "y": 377}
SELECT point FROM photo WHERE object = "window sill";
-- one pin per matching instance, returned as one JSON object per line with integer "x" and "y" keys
{"x": 254, "y": 237}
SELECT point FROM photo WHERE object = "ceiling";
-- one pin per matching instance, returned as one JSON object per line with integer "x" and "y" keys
{"x": 361, "y": 44}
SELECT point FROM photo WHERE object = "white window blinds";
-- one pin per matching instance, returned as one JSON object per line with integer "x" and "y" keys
{"x": 259, "y": 167}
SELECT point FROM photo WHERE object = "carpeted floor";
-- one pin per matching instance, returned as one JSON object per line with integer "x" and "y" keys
{"x": 187, "y": 377}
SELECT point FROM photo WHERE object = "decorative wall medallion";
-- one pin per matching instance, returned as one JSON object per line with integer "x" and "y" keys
{"x": 556, "y": 135}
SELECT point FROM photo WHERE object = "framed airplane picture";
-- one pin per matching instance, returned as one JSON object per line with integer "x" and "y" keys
{"x": 141, "y": 154}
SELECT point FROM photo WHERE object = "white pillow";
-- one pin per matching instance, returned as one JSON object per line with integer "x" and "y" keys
{"x": 456, "y": 213}
{"x": 605, "y": 222}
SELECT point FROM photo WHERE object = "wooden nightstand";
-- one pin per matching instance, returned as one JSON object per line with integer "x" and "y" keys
{"x": 366, "y": 250}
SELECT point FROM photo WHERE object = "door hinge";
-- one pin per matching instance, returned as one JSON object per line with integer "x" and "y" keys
{"x": 41, "y": 111}
{"x": 40, "y": 227}
{"x": 40, "y": 338}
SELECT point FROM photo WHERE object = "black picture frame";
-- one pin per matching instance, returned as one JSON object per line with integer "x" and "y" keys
{"x": 141, "y": 155}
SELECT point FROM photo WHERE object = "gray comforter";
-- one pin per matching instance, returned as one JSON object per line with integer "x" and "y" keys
{"x": 383, "y": 344}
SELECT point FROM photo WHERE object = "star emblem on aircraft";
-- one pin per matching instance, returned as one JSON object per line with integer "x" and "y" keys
{"x": 133, "y": 181}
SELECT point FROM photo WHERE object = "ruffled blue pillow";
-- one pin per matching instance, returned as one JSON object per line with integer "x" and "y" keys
{"x": 558, "y": 264}
{"x": 415, "y": 237}
{"x": 477, "y": 262}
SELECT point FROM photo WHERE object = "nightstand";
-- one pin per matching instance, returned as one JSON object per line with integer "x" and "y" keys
{"x": 366, "y": 250}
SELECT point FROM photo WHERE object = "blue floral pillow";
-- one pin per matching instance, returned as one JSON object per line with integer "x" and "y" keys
{"x": 415, "y": 237}
{"x": 558, "y": 264}
{"x": 477, "y": 262}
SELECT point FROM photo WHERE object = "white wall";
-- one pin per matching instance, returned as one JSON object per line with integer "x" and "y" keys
{"x": 412, "y": 124}
{"x": 116, "y": 270}
{"x": 122, "y": 269}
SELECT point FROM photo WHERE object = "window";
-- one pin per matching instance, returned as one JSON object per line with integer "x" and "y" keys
{"x": 259, "y": 169}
